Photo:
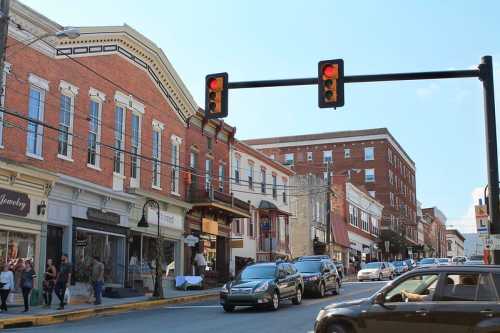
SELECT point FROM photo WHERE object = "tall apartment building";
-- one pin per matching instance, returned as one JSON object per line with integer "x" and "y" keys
{"x": 372, "y": 159}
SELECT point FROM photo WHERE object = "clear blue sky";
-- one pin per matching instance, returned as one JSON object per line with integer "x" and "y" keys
{"x": 439, "y": 123}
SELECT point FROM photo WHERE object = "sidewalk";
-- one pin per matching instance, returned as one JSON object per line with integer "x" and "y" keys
{"x": 39, "y": 315}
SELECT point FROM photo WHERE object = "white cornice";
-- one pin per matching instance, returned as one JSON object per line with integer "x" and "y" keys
{"x": 387, "y": 137}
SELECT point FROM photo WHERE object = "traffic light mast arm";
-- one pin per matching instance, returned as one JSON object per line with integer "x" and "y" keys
{"x": 358, "y": 79}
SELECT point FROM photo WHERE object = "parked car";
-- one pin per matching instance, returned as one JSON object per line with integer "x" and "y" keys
{"x": 340, "y": 268}
{"x": 320, "y": 276}
{"x": 459, "y": 260}
{"x": 450, "y": 298}
{"x": 375, "y": 271}
{"x": 401, "y": 267}
{"x": 444, "y": 261}
{"x": 263, "y": 284}
{"x": 474, "y": 262}
{"x": 427, "y": 262}
{"x": 411, "y": 264}
{"x": 392, "y": 268}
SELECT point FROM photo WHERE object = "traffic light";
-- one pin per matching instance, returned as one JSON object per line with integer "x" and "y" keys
{"x": 331, "y": 83}
{"x": 216, "y": 96}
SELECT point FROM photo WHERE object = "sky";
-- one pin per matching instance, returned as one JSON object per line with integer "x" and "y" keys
{"x": 439, "y": 123}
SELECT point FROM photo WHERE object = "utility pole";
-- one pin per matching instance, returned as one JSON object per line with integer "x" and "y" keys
{"x": 4, "y": 29}
{"x": 328, "y": 207}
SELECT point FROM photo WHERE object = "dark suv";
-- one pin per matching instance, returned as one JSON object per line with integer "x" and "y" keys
{"x": 320, "y": 276}
{"x": 454, "y": 299}
{"x": 263, "y": 284}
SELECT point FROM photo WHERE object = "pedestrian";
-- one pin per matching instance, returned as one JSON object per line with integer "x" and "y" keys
{"x": 49, "y": 282}
{"x": 97, "y": 279}
{"x": 201, "y": 263}
{"x": 63, "y": 279}
{"x": 6, "y": 285}
{"x": 18, "y": 270}
{"x": 27, "y": 278}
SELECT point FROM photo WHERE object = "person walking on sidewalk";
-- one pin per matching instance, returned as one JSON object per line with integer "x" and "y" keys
{"x": 27, "y": 278}
{"x": 201, "y": 263}
{"x": 97, "y": 279}
{"x": 7, "y": 284}
{"x": 49, "y": 282}
{"x": 63, "y": 279}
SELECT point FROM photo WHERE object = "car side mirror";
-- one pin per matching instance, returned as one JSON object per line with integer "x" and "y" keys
{"x": 379, "y": 299}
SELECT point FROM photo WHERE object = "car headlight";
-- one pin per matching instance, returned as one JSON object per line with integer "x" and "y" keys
{"x": 320, "y": 315}
{"x": 262, "y": 287}
{"x": 313, "y": 278}
{"x": 224, "y": 288}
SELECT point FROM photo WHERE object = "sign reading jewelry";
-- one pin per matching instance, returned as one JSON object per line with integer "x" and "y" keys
{"x": 14, "y": 203}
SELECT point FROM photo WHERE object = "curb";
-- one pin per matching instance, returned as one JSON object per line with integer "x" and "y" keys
{"x": 57, "y": 318}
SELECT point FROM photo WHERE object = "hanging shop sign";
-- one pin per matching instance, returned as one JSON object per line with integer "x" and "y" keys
{"x": 191, "y": 240}
{"x": 167, "y": 219}
{"x": 210, "y": 226}
{"x": 14, "y": 203}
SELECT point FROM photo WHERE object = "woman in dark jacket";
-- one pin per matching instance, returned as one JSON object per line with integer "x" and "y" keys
{"x": 49, "y": 282}
{"x": 27, "y": 277}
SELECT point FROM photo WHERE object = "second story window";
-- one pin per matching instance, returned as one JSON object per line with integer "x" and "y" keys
{"x": 237, "y": 163}
{"x": 94, "y": 137}
{"x": 35, "y": 131}
{"x": 193, "y": 160}
{"x": 389, "y": 155}
{"x": 275, "y": 187}
{"x": 369, "y": 175}
{"x": 289, "y": 159}
{"x": 221, "y": 177}
{"x": 175, "y": 161}
{"x": 391, "y": 177}
{"x": 250, "y": 176}
{"x": 135, "y": 145}
{"x": 119, "y": 140}
{"x": 209, "y": 164}
{"x": 66, "y": 111}
{"x": 327, "y": 156}
{"x": 369, "y": 153}
{"x": 156, "y": 154}
{"x": 391, "y": 198}
{"x": 263, "y": 180}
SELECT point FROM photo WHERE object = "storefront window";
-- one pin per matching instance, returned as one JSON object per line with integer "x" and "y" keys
{"x": 16, "y": 245}
{"x": 109, "y": 248}
{"x": 149, "y": 255}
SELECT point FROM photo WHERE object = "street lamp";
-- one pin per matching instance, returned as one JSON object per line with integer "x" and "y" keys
{"x": 143, "y": 223}
{"x": 68, "y": 32}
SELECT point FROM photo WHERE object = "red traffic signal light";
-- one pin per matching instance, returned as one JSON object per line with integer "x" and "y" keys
{"x": 216, "y": 95}
{"x": 331, "y": 83}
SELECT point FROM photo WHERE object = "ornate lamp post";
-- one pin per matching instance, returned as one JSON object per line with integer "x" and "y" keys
{"x": 143, "y": 223}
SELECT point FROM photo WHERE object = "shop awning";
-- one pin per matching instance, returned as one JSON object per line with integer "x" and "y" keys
{"x": 233, "y": 212}
{"x": 268, "y": 206}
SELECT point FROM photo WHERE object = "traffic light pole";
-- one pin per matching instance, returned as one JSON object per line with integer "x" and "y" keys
{"x": 484, "y": 73}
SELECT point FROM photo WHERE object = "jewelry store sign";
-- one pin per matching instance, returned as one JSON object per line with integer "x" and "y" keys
{"x": 14, "y": 203}
{"x": 167, "y": 219}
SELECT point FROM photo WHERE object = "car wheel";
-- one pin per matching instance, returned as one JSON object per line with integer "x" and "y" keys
{"x": 275, "y": 301}
{"x": 337, "y": 288}
{"x": 321, "y": 291}
{"x": 228, "y": 308}
{"x": 298, "y": 297}
{"x": 336, "y": 328}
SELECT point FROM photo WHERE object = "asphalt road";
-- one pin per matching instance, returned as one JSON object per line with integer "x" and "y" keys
{"x": 209, "y": 317}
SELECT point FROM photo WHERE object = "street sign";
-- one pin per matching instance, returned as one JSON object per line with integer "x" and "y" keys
{"x": 191, "y": 240}
{"x": 482, "y": 220}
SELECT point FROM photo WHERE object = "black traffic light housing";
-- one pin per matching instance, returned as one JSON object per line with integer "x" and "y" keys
{"x": 216, "y": 95}
{"x": 331, "y": 83}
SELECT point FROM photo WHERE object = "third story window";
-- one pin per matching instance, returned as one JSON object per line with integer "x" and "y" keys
{"x": 237, "y": 170}
{"x": 289, "y": 159}
{"x": 309, "y": 156}
{"x": 327, "y": 156}
{"x": 65, "y": 126}
{"x": 221, "y": 177}
{"x": 369, "y": 153}
{"x": 263, "y": 180}
{"x": 347, "y": 153}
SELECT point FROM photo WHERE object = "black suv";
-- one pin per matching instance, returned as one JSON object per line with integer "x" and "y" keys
{"x": 440, "y": 299}
{"x": 263, "y": 284}
{"x": 320, "y": 276}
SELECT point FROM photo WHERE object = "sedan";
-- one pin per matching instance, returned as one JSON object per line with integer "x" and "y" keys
{"x": 375, "y": 271}
{"x": 401, "y": 267}
{"x": 427, "y": 262}
{"x": 458, "y": 299}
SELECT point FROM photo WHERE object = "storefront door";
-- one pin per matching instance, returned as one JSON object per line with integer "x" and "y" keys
{"x": 54, "y": 243}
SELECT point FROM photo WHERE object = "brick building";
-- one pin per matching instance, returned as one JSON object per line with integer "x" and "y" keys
{"x": 101, "y": 124}
{"x": 435, "y": 233}
{"x": 372, "y": 159}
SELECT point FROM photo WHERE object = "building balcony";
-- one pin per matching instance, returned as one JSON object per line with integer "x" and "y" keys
{"x": 216, "y": 199}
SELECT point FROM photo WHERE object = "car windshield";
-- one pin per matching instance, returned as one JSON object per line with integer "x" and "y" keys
{"x": 373, "y": 265}
{"x": 258, "y": 272}
{"x": 398, "y": 263}
{"x": 308, "y": 266}
{"x": 427, "y": 261}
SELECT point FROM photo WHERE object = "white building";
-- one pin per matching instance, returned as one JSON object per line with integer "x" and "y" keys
{"x": 455, "y": 243}
{"x": 264, "y": 183}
